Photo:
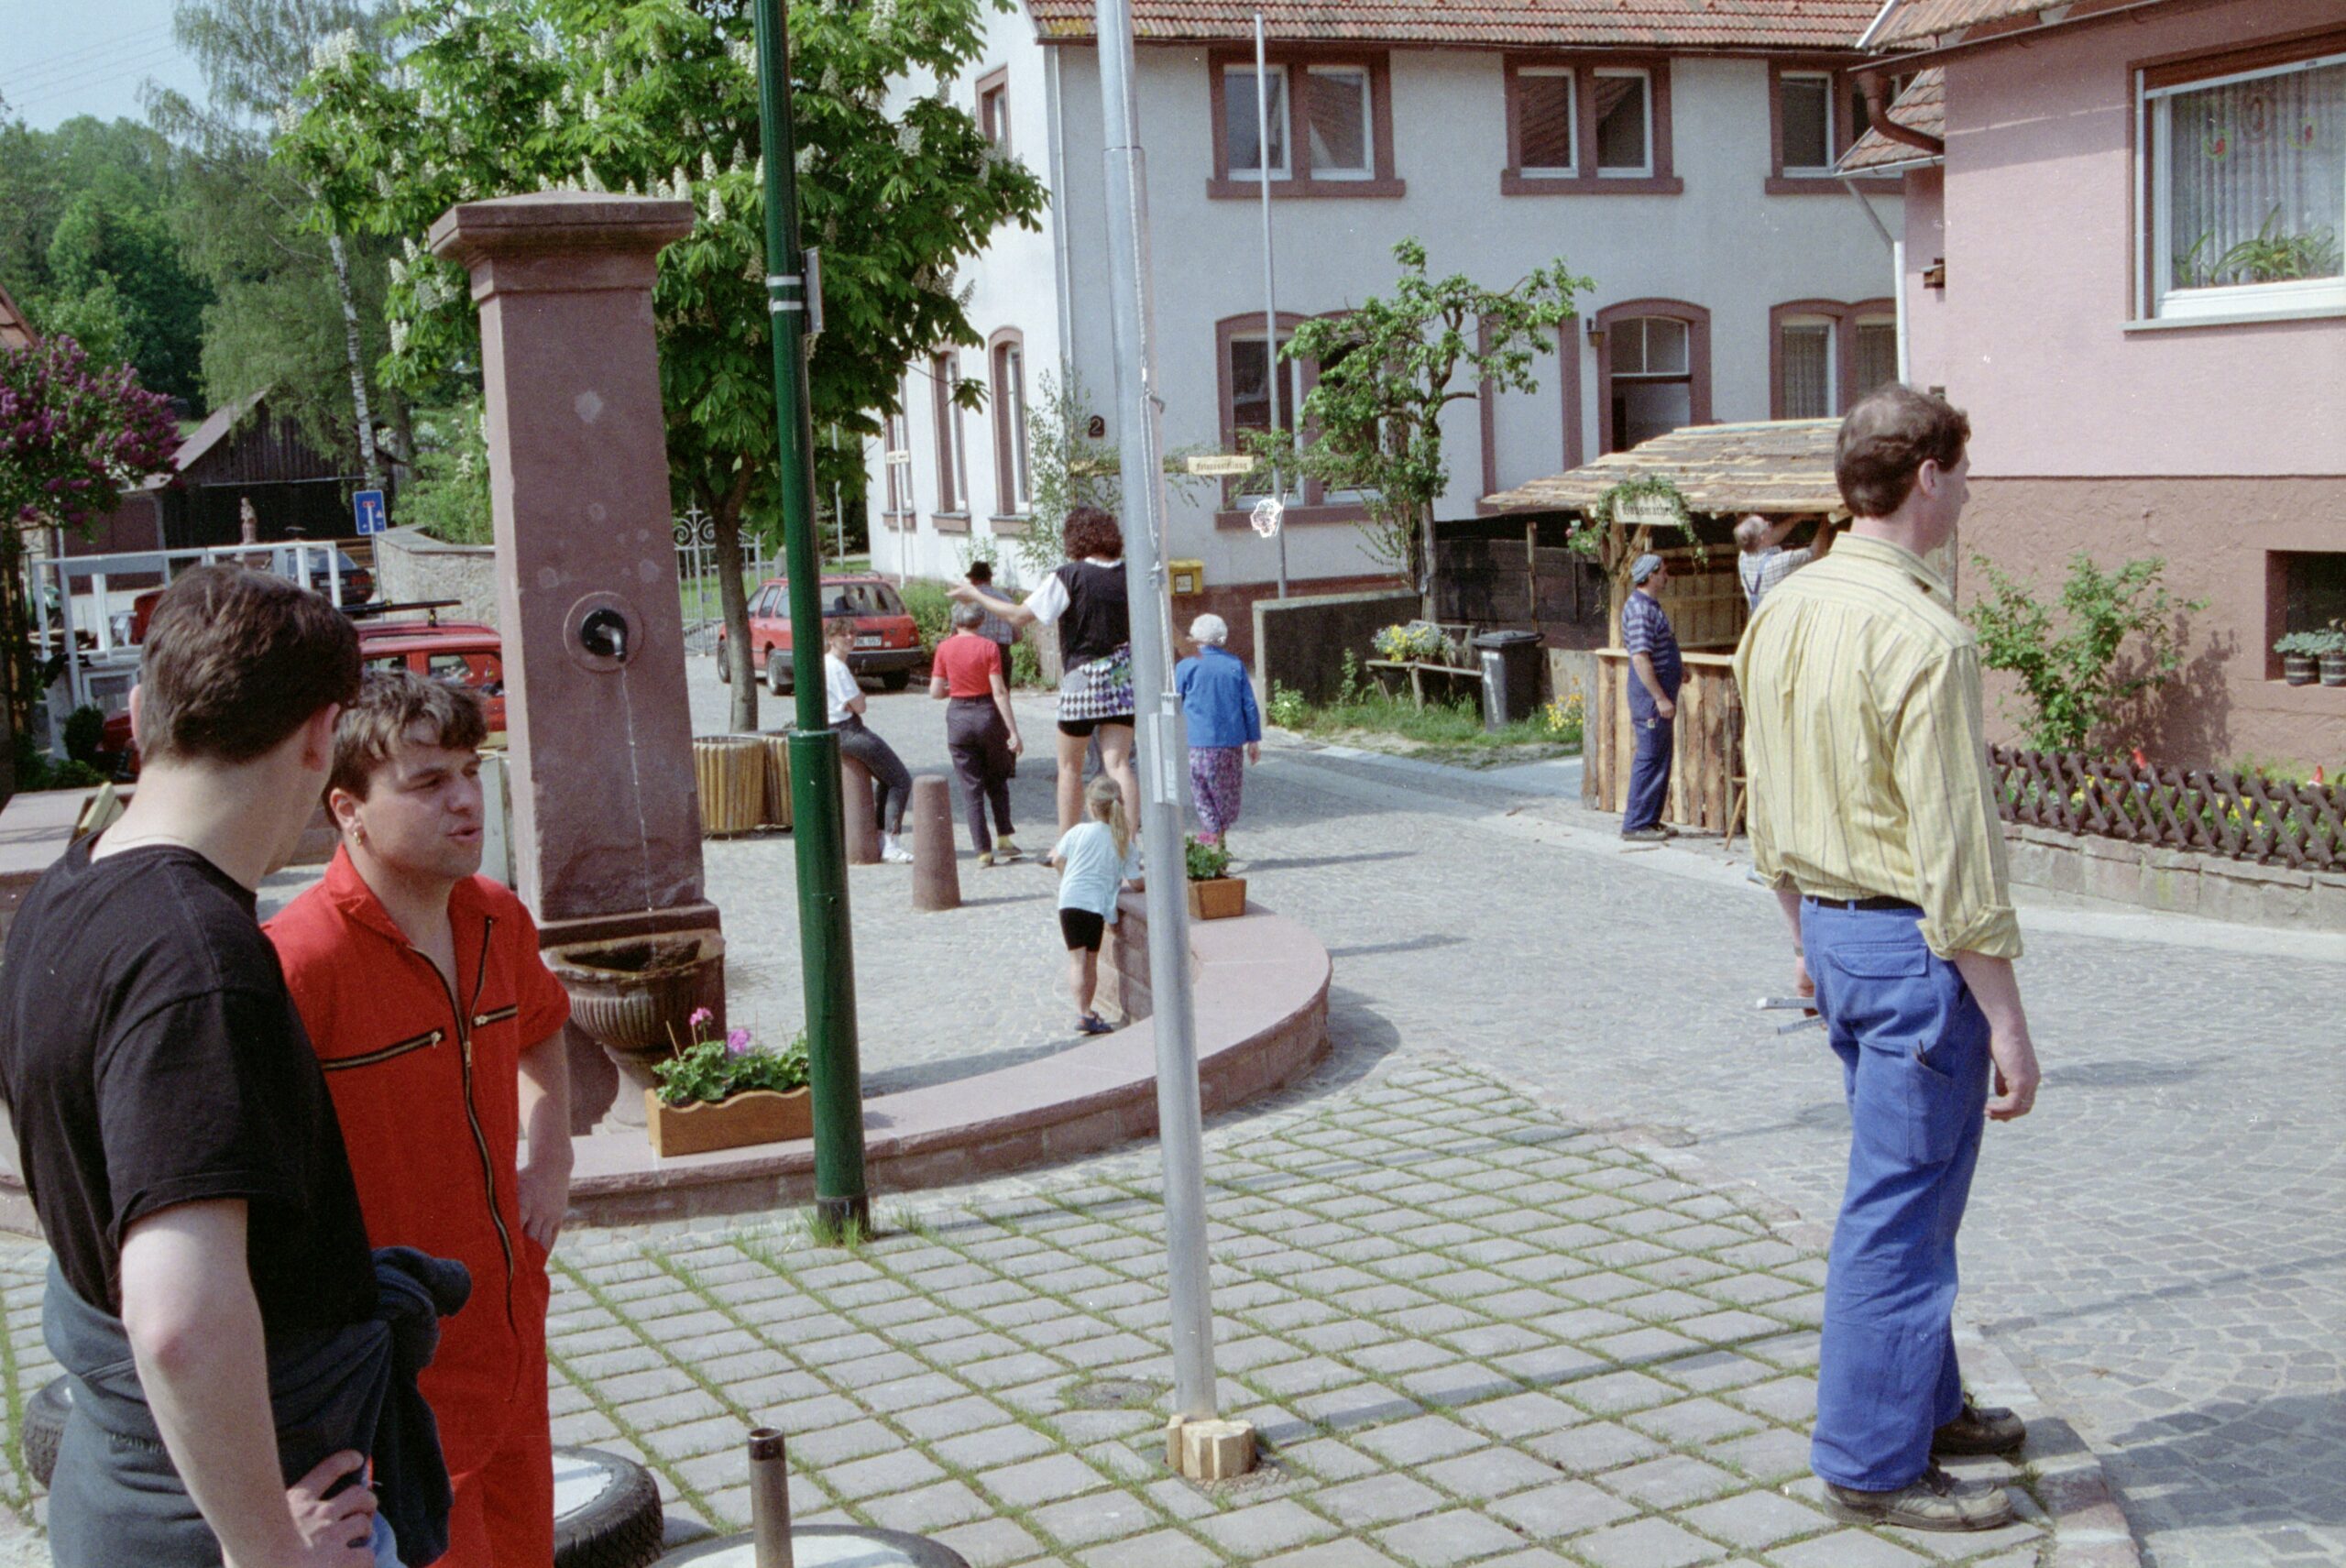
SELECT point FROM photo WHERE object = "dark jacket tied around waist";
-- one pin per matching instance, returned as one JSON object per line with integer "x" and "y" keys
{"x": 117, "y": 1499}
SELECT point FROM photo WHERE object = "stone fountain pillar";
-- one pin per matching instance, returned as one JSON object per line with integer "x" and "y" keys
{"x": 605, "y": 817}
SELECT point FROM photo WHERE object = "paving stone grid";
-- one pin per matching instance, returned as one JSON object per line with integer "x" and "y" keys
{"x": 1468, "y": 1332}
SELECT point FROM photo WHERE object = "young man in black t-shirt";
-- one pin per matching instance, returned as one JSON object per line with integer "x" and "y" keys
{"x": 174, "y": 1129}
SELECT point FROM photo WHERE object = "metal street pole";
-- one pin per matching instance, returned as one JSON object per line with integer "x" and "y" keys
{"x": 826, "y": 949}
{"x": 1158, "y": 710}
{"x": 1270, "y": 288}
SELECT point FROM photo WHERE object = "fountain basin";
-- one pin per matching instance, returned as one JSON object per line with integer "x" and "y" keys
{"x": 635, "y": 996}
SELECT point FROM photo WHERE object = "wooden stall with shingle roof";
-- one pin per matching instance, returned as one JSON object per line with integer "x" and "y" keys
{"x": 1721, "y": 473}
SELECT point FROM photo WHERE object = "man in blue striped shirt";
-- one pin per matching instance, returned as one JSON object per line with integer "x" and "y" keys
{"x": 1653, "y": 698}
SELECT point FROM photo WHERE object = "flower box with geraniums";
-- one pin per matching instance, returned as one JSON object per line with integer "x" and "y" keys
{"x": 1215, "y": 894}
{"x": 725, "y": 1093}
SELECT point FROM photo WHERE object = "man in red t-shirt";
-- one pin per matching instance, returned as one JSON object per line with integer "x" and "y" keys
{"x": 440, "y": 1031}
{"x": 981, "y": 730}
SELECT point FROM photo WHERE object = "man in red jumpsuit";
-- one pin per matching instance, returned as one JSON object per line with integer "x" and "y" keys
{"x": 440, "y": 1031}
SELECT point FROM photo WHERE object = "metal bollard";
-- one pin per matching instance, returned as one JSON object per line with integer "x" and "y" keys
{"x": 861, "y": 812}
{"x": 937, "y": 880}
{"x": 769, "y": 1500}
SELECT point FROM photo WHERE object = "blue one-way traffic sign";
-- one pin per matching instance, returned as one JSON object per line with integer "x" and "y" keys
{"x": 368, "y": 504}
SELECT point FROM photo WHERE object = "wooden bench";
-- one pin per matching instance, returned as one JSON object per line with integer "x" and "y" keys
{"x": 1456, "y": 677}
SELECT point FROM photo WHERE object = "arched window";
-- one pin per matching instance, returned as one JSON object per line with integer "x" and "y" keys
{"x": 1006, "y": 361}
{"x": 1653, "y": 371}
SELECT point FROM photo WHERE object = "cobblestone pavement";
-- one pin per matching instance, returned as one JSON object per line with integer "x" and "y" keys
{"x": 1469, "y": 1332}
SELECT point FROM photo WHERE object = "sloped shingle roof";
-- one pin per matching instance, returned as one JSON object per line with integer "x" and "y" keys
{"x": 1520, "y": 24}
{"x": 1913, "y": 22}
{"x": 1922, "y": 107}
{"x": 1769, "y": 466}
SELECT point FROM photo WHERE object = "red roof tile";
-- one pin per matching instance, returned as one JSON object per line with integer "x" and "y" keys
{"x": 1490, "y": 24}
{"x": 1922, "y": 107}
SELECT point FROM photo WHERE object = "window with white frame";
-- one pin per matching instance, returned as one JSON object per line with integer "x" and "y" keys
{"x": 1543, "y": 110}
{"x": 1804, "y": 361}
{"x": 952, "y": 465}
{"x": 1652, "y": 379}
{"x": 1624, "y": 123}
{"x": 896, "y": 458}
{"x": 1012, "y": 483}
{"x": 1337, "y": 119}
{"x": 1804, "y": 118}
{"x": 1242, "y": 129}
{"x": 2247, "y": 184}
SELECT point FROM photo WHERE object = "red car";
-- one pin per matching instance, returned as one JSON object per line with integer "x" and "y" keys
{"x": 887, "y": 643}
{"x": 467, "y": 652}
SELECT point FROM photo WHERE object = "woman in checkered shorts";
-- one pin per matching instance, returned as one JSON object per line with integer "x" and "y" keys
{"x": 1085, "y": 599}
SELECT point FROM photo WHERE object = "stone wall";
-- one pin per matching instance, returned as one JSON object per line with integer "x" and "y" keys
{"x": 2177, "y": 881}
{"x": 411, "y": 567}
{"x": 1301, "y": 643}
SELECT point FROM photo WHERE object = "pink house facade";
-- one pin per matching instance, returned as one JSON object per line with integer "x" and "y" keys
{"x": 2122, "y": 259}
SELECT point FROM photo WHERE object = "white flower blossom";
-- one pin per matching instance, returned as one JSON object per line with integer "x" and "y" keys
{"x": 633, "y": 192}
{"x": 588, "y": 178}
{"x": 409, "y": 249}
{"x": 333, "y": 52}
{"x": 908, "y": 139}
{"x": 716, "y": 205}
{"x": 679, "y": 186}
{"x": 383, "y": 183}
{"x": 588, "y": 109}
{"x": 708, "y": 164}
{"x": 288, "y": 115}
{"x": 548, "y": 115}
{"x": 883, "y": 15}
{"x": 830, "y": 83}
{"x": 458, "y": 142}
{"x": 803, "y": 160}
{"x": 399, "y": 272}
{"x": 744, "y": 53}
{"x": 399, "y": 336}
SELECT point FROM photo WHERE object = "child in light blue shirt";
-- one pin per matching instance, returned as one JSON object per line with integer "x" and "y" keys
{"x": 1095, "y": 858}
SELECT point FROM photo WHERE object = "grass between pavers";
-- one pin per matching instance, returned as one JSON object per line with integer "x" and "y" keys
{"x": 1420, "y": 1160}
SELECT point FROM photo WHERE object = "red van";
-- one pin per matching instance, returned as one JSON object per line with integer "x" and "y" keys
{"x": 887, "y": 643}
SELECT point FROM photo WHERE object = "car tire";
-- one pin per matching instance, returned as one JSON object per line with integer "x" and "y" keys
{"x": 896, "y": 680}
{"x": 612, "y": 1520}
{"x": 45, "y": 1415}
{"x": 724, "y": 665}
{"x": 777, "y": 666}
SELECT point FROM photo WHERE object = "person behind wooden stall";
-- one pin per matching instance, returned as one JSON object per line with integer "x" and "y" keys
{"x": 1762, "y": 562}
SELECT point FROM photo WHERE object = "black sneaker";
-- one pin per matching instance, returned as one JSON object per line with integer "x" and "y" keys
{"x": 1933, "y": 1500}
{"x": 1979, "y": 1428}
{"x": 1643, "y": 835}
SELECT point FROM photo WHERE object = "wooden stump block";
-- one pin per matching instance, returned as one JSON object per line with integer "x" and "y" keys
{"x": 731, "y": 773}
{"x": 1210, "y": 1450}
{"x": 861, "y": 811}
{"x": 937, "y": 882}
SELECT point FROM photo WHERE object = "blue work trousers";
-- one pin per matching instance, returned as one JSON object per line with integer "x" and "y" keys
{"x": 1649, "y": 772}
{"x": 1914, "y": 1050}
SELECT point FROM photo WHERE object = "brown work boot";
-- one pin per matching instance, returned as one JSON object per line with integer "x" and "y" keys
{"x": 1934, "y": 1500}
{"x": 1979, "y": 1428}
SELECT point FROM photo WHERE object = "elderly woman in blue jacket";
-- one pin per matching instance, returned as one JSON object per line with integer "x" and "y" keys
{"x": 1218, "y": 701}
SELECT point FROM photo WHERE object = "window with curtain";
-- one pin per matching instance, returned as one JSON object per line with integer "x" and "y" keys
{"x": 2249, "y": 189}
{"x": 1012, "y": 483}
{"x": 1241, "y": 131}
{"x": 1624, "y": 128}
{"x": 951, "y": 492}
{"x": 1336, "y": 117}
{"x": 1805, "y": 369}
{"x": 1543, "y": 119}
{"x": 895, "y": 456}
{"x": 1874, "y": 357}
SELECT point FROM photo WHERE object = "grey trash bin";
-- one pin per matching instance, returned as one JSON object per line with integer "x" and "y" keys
{"x": 1510, "y": 676}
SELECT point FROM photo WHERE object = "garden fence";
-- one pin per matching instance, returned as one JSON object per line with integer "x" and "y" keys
{"x": 2243, "y": 817}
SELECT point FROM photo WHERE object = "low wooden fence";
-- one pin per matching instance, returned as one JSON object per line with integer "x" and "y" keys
{"x": 2243, "y": 817}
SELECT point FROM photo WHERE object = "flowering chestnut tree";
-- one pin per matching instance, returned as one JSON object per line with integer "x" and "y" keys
{"x": 482, "y": 98}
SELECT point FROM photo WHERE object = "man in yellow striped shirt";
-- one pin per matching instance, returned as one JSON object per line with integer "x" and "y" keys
{"x": 1874, "y": 817}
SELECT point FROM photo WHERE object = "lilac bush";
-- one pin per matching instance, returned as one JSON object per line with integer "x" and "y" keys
{"x": 74, "y": 437}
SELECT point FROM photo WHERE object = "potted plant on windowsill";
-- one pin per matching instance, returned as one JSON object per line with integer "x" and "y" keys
{"x": 2332, "y": 656}
{"x": 724, "y": 1093}
{"x": 1215, "y": 894}
{"x": 2300, "y": 657}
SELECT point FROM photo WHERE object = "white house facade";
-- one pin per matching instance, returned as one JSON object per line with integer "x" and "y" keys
{"x": 1678, "y": 158}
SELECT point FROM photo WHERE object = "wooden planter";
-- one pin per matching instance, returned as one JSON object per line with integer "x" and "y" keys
{"x": 1218, "y": 898}
{"x": 731, "y": 773}
{"x": 2334, "y": 669}
{"x": 777, "y": 811}
{"x": 753, "y": 1116}
{"x": 2300, "y": 669}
